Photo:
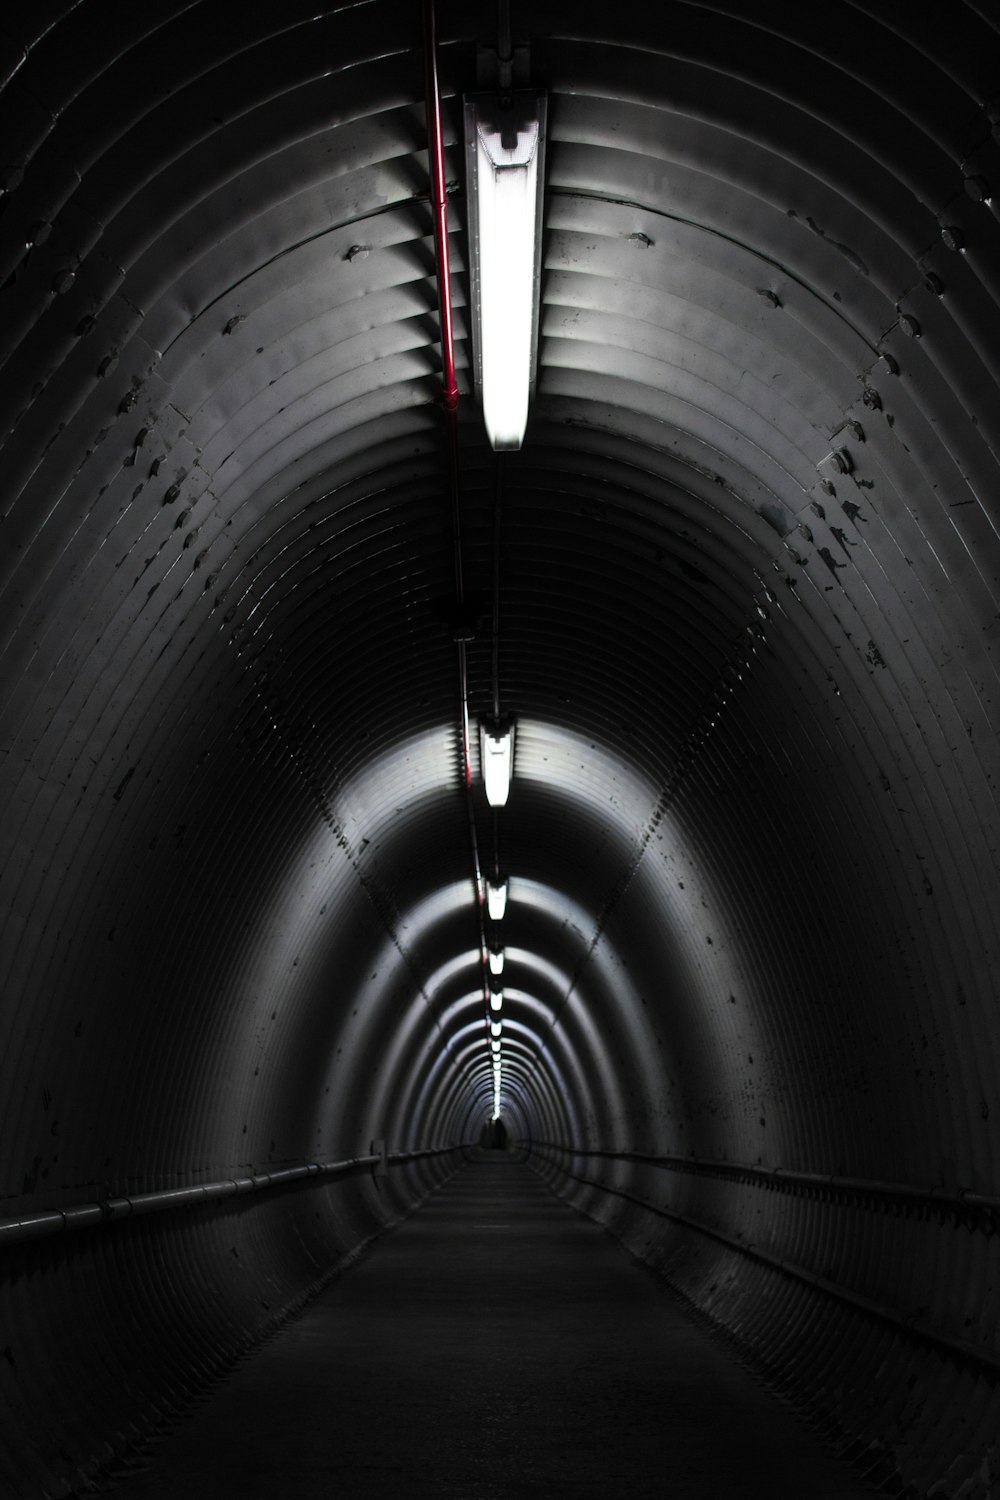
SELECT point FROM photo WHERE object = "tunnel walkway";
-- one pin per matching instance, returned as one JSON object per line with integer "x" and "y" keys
{"x": 497, "y": 1345}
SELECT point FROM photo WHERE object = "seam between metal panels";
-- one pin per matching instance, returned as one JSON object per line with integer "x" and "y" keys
{"x": 719, "y": 688}
{"x": 708, "y": 229}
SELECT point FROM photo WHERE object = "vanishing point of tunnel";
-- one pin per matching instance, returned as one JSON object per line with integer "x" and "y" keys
{"x": 656, "y": 1096}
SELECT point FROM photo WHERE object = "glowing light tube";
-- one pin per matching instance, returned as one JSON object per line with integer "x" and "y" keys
{"x": 496, "y": 960}
{"x": 496, "y": 747}
{"x": 504, "y": 152}
{"x": 496, "y": 898}
{"x": 496, "y": 1000}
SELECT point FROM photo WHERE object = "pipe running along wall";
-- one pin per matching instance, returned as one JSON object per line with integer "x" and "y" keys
{"x": 749, "y": 628}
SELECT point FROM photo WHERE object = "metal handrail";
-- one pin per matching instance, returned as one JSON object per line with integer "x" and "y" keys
{"x": 956, "y": 1199}
{"x": 980, "y": 1356}
{"x": 34, "y": 1226}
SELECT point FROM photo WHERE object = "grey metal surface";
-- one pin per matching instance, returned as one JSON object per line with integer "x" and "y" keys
{"x": 749, "y": 631}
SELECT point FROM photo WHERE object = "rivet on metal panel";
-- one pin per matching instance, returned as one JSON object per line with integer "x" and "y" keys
{"x": 909, "y": 325}
{"x": 977, "y": 188}
{"x": 85, "y": 325}
{"x": 934, "y": 284}
{"x": 856, "y": 429}
{"x": 64, "y": 280}
{"x": 108, "y": 364}
{"x": 766, "y": 295}
{"x": 805, "y": 533}
{"x": 234, "y": 323}
{"x": 871, "y": 398}
{"x": 171, "y": 494}
{"x": 38, "y": 232}
{"x": 953, "y": 236}
{"x": 890, "y": 361}
{"x": 640, "y": 240}
{"x": 358, "y": 252}
{"x": 11, "y": 178}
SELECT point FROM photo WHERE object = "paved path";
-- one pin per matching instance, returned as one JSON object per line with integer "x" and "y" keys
{"x": 496, "y": 1346}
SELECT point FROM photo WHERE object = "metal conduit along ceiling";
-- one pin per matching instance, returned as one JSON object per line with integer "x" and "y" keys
{"x": 748, "y": 629}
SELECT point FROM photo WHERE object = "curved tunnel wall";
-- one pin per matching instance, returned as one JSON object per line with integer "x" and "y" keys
{"x": 748, "y": 580}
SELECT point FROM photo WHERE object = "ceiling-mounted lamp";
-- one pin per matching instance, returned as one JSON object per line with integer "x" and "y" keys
{"x": 505, "y": 149}
{"x": 496, "y": 956}
{"x": 496, "y": 749}
{"x": 496, "y": 898}
{"x": 496, "y": 1028}
{"x": 496, "y": 1000}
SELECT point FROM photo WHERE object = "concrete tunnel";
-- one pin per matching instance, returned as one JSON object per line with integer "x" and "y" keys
{"x": 738, "y": 590}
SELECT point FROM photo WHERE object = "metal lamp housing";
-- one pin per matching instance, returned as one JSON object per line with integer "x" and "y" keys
{"x": 505, "y": 163}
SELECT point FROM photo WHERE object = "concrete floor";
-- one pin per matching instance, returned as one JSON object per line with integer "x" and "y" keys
{"x": 496, "y": 1346}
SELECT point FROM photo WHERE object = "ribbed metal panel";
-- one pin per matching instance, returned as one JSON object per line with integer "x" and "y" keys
{"x": 748, "y": 609}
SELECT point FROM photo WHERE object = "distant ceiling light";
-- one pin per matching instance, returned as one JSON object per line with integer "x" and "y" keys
{"x": 496, "y": 898}
{"x": 505, "y": 146}
{"x": 494, "y": 1046}
{"x": 496, "y": 999}
{"x": 496, "y": 747}
{"x": 496, "y": 1028}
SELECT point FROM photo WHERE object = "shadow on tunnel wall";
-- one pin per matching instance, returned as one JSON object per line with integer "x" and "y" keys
{"x": 740, "y": 589}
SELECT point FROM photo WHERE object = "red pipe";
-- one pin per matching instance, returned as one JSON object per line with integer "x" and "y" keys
{"x": 439, "y": 204}
{"x": 449, "y": 384}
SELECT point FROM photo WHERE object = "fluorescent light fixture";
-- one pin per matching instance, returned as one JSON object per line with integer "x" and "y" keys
{"x": 505, "y": 150}
{"x": 496, "y": 999}
{"x": 495, "y": 1046}
{"x": 496, "y": 898}
{"x": 496, "y": 1028}
{"x": 496, "y": 751}
{"x": 496, "y": 960}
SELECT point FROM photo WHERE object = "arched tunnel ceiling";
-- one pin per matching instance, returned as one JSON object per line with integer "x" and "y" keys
{"x": 748, "y": 592}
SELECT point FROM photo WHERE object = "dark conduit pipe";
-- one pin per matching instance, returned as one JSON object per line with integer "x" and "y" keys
{"x": 39, "y": 1226}
{"x": 449, "y": 401}
{"x": 449, "y": 383}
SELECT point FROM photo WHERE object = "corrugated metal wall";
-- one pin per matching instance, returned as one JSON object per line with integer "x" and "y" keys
{"x": 748, "y": 566}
